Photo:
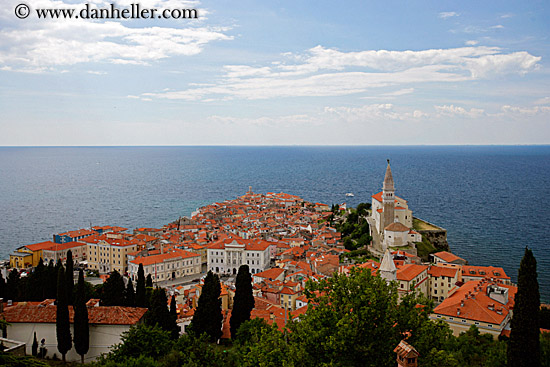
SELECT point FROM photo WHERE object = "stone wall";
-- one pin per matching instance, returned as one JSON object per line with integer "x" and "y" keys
{"x": 437, "y": 236}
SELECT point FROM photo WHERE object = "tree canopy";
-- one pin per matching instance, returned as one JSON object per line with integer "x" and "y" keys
{"x": 62, "y": 326}
{"x": 524, "y": 344}
{"x": 208, "y": 316}
{"x": 243, "y": 302}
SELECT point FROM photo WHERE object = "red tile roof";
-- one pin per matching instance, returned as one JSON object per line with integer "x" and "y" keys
{"x": 27, "y": 312}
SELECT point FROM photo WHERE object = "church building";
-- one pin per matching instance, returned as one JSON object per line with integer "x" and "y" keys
{"x": 391, "y": 216}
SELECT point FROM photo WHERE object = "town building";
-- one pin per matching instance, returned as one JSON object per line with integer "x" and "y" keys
{"x": 484, "y": 303}
{"x": 227, "y": 255}
{"x": 29, "y": 255}
{"x": 72, "y": 236}
{"x": 107, "y": 254}
{"x": 107, "y": 323}
{"x": 172, "y": 264}
{"x": 59, "y": 252}
{"x": 391, "y": 219}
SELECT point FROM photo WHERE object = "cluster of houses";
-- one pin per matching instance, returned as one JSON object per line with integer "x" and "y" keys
{"x": 285, "y": 241}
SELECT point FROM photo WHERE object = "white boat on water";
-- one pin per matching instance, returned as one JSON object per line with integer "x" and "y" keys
{"x": 350, "y": 194}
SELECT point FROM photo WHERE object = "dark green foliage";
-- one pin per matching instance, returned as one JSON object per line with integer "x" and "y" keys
{"x": 62, "y": 326}
{"x": 34, "y": 348}
{"x": 174, "y": 315}
{"x": 352, "y": 324}
{"x": 113, "y": 290}
{"x": 524, "y": 344}
{"x": 158, "y": 313}
{"x": 69, "y": 275}
{"x": 480, "y": 350}
{"x": 51, "y": 280}
{"x": 355, "y": 228}
{"x": 243, "y": 302}
{"x": 208, "y": 316}
{"x": 149, "y": 281}
{"x": 13, "y": 285}
{"x": 191, "y": 351}
{"x": 2, "y": 287}
{"x": 140, "y": 341}
{"x": 11, "y": 360}
{"x": 141, "y": 300}
{"x": 544, "y": 318}
{"x": 260, "y": 344}
{"x": 81, "y": 323}
{"x": 129, "y": 295}
{"x": 545, "y": 349}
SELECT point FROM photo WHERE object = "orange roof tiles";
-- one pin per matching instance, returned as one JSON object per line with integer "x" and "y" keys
{"x": 25, "y": 312}
{"x": 410, "y": 271}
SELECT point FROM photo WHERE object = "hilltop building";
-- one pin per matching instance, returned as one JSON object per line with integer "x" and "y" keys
{"x": 391, "y": 219}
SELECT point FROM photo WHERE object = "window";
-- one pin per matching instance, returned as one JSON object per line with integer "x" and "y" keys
{"x": 463, "y": 320}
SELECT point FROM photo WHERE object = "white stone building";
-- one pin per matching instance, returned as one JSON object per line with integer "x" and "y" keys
{"x": 227, "y": 255}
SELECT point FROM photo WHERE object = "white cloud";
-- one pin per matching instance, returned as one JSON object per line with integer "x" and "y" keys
{"x": 452, "y": 110}
{"x": 329, "y": 72}
{"x": 45, "y": 45}
{"x": 448, "y": 14}
{"x": 545, "y": 100}
{"x": 471, "y": 43}
{"x": 525, "y": 111}
{"x": 399, "y": 92}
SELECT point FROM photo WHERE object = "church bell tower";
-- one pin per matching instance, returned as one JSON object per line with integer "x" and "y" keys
{"x": 388, "y": 199}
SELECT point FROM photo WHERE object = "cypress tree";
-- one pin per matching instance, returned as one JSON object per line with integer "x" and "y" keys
{"x": 129, "y": 294}
{"x": 141, "y": 300}
{"x": 524, "y": 344}
{"x": 113, "y": 290}
{"x": 81, "y": 324}
{"x": 174, "y": 315}
{"x": 2, "y": 287}
{"x": 149, "y": 281}
{"x": 243, "y": 302}
{"x": 51, "y": 280}
{"x": 69, "y": 274}
{"x": 208, "y": 316}
{"x": 39, "y": 280}
{"x": 34, "y": 349}
{"x": 62, "y": 323}
{"x": 12, "y": 285}
{"x": 158, "y": 313}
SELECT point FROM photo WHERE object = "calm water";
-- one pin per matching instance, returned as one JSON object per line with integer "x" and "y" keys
{"x": 493, "y": 201}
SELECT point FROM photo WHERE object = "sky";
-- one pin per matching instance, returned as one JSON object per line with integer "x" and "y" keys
{"x": 278, "y": 73}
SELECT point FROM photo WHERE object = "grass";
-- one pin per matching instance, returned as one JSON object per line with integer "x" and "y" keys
{"x": 420, "y": 225}
{"x": 424, "y": 249}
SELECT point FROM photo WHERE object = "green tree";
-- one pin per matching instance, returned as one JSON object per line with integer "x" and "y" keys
{"x": 159, "y": 314}
{"x": 69, "y": 275}
{"x": 243, "y": 302}
{"x": 2, "y": 287}
{"x": 62, "y": 324}
{"x": 260, "y": 344}
{"x": 51, "y": 280}
{"x": 193, "y": 351}
{"x": 13, "y": 285}
{"x": 34, "y": 349}
{"x": 149, "y": 281}
{"x": 141, "y": 340}
{"x": 141, "y": 297}
{"x": 524, "y": 344}
{"x": 174, "y": 315}
{"x": 208, "y": 316}
{"x": 113, "y": 290}
{"x": 81, "y": 322}
{"x": 129, "y": 294}
{"x": 352, "y": 323}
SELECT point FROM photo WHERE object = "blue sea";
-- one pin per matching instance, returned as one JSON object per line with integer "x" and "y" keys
{"x": 493, "y": 200}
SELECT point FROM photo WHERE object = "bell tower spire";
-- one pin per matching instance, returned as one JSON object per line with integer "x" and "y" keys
{"x": 388, "y": 198}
